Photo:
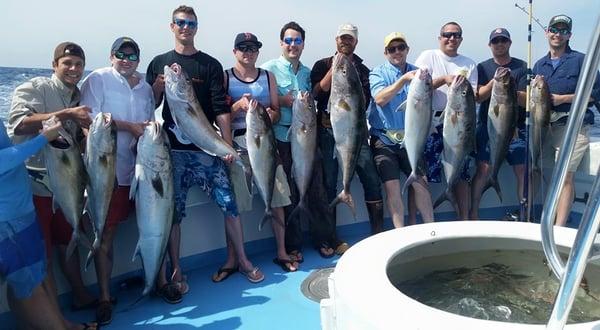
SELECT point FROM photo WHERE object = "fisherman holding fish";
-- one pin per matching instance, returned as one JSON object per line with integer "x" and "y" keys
{"x": 561, "y": 68}
{"x": 499, "y": 43}
{"x": 245, "y": 82}
{"x": 444, "y": 64}
{"x": 33, "y": 102}
{"x": 120, "y": 95}
{"x": 191, "y": 165}
{"x": 390, "y": 89}
{"x": 356, "y": 154}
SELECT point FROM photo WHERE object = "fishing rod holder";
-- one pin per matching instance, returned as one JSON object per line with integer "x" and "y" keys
{"x": 583, "y": 248}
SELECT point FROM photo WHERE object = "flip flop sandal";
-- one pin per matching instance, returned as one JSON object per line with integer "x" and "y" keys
{"x": 170, "y": 293}
{"x": 104, "y": 312}
{"x": 294, "y": 255}
{"x": 251, "y": 275}
{"x": 90, "y": 325}
{"x": 342, "y": 248}
{"x": 223, "y": 273}
{"x": 286, "y": 264}
{"x": 182, "y": 285}
{"x": 323, "y": 254}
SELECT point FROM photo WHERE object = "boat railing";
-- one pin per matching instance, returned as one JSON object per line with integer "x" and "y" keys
{"x": 571, "y": 274}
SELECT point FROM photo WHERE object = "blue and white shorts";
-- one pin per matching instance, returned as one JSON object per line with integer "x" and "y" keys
{"x": 22, "y": 254}
{"x": 209, "y": 172}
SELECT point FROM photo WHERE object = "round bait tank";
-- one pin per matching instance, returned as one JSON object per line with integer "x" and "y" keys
{"x": 361, "y": 289}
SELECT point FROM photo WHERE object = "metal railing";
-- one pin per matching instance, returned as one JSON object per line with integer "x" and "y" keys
{"x": 570, "y": 275}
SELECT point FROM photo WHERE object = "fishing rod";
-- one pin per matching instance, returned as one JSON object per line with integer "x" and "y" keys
{"x": 526, "y": 203}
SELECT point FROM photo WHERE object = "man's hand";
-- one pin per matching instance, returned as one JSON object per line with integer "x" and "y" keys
{"x": 287, "y": 100}
{"x": 158, "y": 86}
{"x": 228, "y": 159}
{"x": 137, "y": 129}
{"x": 51, "y": 131}
{"x": 81, "y": 115}
{"x": 558, "y": 99}
{"x": 242, "y": 104}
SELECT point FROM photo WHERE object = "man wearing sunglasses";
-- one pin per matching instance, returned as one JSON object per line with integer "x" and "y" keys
{"x": 34, "y": 102}
{"x": 121, "y": 91}
{"x": 389, "y": 86}
{"x": 499, "y": 43}
{"x": 191, "y": 165}
{"x": 561, "y": 68}
{"x": 346, "y": 40}
{"x": 444, "y": 64}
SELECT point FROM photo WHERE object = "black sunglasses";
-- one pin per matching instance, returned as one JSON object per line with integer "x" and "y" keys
{"x": 131, "y": 57}
{"x": 556, "y": 30}
{"x": 448, "y": 35}
{"x": 393, "y": 49}
{"x": 247, "y": 48}
{"x": 499, "y": 40}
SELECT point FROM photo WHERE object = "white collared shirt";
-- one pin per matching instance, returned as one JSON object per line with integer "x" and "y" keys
{"x": 106, "y": 90}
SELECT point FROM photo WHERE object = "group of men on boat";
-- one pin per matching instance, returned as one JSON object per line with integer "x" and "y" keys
{"x": 30, "y": 226}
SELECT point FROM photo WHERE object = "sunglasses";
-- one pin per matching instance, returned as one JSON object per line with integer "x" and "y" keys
{"x": 130, "y": 57}
{"x": 180, "y": 22}
{"x": 448, "y": 35}
{"x": 500, "y": 40}
{"x": 295, "y": 41}
{"x": 399, "y": 48}
{"x": 556, "y": 30}
{"x": 247, "y": 48}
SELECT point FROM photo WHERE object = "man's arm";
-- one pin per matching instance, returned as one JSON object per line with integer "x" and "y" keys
{"x": 384, "y": 94}
{"x": 320, "y": 77}
{"x": 157, "y": 81}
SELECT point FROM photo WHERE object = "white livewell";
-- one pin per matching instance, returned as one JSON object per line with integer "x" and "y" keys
{"x": 363, "y": 297}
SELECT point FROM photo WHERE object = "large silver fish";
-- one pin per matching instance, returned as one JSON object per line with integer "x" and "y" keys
{"x": 348, "y": 121}
{"x": 503, "y": 114}
{"x": 540, "y": 106}
{"x": 100, "y": 162}
{"x": 458, "y": 134}
{"x": 262, "y": 152}
{"x": 67, "y": 181}
{"x": 152, "y": 187}
{"x": 189, "y": 116}
{"x": 418, "y": 121}
{"x": 303, "y": 139}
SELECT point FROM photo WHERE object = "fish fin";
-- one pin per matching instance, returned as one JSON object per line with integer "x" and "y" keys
{"x": 103, "y": 160}
{"x": 401, "y": 107}
{"x": 89, "y": 259}
{"x": 346, "y": 198}
{"x": 342, "y": 104}
{"x": 289, "y": 133}
{"x": 257, "y": 140}
{"x": 136, "y": 252}
{"x": 133, "y": 187}
{"x": 454, "y": 118}
{"x": 497, "y": 110}
{"x": 157, "y": 184}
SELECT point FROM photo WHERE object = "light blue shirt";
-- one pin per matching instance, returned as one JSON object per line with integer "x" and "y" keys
{"x": 287, "y": 81}
{"x": 386, "y": 117}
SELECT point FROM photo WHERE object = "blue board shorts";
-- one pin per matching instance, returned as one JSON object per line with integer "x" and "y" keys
{"x": 516, "y": 154}
{"x": 210, "y": 173}
{"x": 22, "y": 255}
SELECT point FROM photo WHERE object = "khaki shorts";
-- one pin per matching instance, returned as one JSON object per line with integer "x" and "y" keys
{"x": 242, "y": 182}
{"x": 581, "y": 145}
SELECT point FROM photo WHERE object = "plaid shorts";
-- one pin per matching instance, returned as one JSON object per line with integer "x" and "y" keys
{"x": 22, "y": 254}
{"x": 209, "y": 172}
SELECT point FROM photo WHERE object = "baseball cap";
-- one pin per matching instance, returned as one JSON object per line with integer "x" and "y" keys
{"x": 393, "y": 36}
{"x": 68, "y": 48}
{"x": 349, "y": 29}
{"x": 122, "y": 41}
{"x": 246, "y": 38}
{"x": 499, "y": 32}
{"x": 561, "y": 19}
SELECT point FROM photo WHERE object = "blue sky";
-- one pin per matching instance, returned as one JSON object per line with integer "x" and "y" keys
{"x": 31, "y": 29}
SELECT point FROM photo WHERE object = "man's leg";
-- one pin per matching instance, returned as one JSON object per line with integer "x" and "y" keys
{"x": 461, "y": 193}
{"x": 481, "y": 175}
{"x": 37, "y": 311}
{"x": 422, "y": 199}
{"x": 565, "y": 201}
{"x": 394, "y": 202}
{"x": 104, "y": 262}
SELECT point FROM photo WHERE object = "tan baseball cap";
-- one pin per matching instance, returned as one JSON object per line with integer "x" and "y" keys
{"x": 393, "y": 36}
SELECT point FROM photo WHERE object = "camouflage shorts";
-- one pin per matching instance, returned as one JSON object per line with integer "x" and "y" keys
{"x": 209, "y": 172}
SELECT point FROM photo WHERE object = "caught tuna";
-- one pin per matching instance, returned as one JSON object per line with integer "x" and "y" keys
{"x": 458, "y": 134}
{"x": 100, "y": 162}
{"x": 348, "y": 121}
{"x": 503, "y": 114}
{"x": 303, "y": 138}
{"x": 539, "y": 108}
{"x": 418, "y": 121}
{"x": 189, "y": 116}
{"x": 152, "y": 187}
{"x": 67, "y": 181}
{"x": 262, "y": 152}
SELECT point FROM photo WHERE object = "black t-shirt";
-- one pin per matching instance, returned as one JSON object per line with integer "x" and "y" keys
{"x": 318, "y": 72}
{"x": 486, "y": 71}
{"x": 206, "y": 74}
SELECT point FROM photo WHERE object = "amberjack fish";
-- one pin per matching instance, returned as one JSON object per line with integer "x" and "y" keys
{"x": 152, "y": 188}
{"x": 348, "y": 121}
{"x": 540, "y": 106}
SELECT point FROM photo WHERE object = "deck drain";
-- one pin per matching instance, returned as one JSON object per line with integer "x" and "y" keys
{"x": 314, "y": 287}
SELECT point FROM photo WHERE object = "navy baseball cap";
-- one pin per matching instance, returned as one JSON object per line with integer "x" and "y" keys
{"x": 499, "y": 32}
{"x": 124, "y": 41}
{"x": 246, "y": 38}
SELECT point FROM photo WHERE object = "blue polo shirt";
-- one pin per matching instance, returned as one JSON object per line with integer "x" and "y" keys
{"x": 386, "y": 117}
{"x": 287, "y": 81}
{"x": 562, "y": 78}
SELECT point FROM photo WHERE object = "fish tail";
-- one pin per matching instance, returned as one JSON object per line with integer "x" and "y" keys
{"x": 493, "y": 182}
{"x": 445, "y": 196}
{"x": 346, "y": 198}
{"x": 268, "y": 216}
{"x": 72, "y": 244}
{"x": 410, "y": 180}
{"x": 300, "y": 210}
{"x": 92, "y": 253}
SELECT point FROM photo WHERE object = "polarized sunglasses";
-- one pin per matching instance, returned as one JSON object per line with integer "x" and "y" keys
{"x": 130, "y": 57}
{"x": 496, "y": 41}
{"x": 247, "y": 48}
{"x": 393, "y": 49}
{"x": 180, "y": 22}
{"x": 295, "y": 41}
{"x": 556, "y": 30}
{"x": 448, "y": 35}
